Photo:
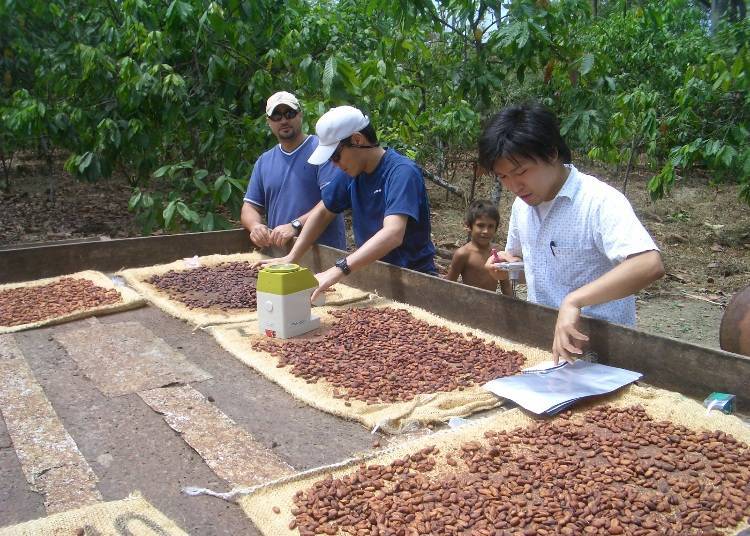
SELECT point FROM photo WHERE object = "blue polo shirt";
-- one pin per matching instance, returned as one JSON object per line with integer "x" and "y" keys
{"x": 395, "y": 187}
{"x": 286, "y": 186}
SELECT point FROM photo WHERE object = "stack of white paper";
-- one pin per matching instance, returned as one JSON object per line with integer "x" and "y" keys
{"x": 551, "y": 390}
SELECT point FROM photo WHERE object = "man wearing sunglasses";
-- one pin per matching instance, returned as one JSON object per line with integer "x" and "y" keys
{"x": 385, "y": 191}
{"x": 284, "y": 186}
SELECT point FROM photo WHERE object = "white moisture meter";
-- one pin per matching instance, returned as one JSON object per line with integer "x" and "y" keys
{"x": 514, "y": 268}
{"x": 283, "y": 301}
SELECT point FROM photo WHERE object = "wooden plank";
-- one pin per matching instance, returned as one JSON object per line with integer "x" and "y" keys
{"x": 126, "y": 357}
{"x": 49, "y": 457}
{"x": 26, "y": 263}
{"x": 229, "y": 450}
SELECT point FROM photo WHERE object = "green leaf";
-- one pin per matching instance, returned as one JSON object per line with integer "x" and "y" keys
{"x": 215, "y": 67}
{"x": 169, "y": 213}
{"x": 161, "y": 171}
{"x": 198, "y": 181}
{"x": 238, "y": 184}
{"x": 587, "y": 63}
{"x": 226, "y": 192}
{"x": 85, "y": 161}
{"x": 179, "y": 9}
{"x": 329, "y": 71}
{"x": 219, "y": 182}
{"x": 134, "y": 200}
{"x": 523, "y": 36}
{"x": 568, "y": 123}
{"x": 382, "y": 68}
{"x": 738, "y": 67}
{"x": 187, "y": 213}
{"x": 220, "y": 222}
{"x": 520, "y": 73}
{"x": 727, "y": 155}
{"x": 207, "y": 224}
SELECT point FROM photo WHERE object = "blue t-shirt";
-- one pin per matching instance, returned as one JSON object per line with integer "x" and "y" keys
{"x": 395, "y": 187}
{"x": 286, "y": 186}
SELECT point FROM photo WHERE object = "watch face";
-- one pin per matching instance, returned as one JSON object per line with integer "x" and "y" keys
{"x": 342, "y": 264}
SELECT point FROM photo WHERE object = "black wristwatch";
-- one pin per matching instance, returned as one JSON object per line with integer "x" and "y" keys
{"x": 342, "y": 265}
{"x": 297, "y": 226}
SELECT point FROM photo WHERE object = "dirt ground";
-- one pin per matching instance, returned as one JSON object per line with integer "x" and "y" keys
{"x": 703, "y": 231}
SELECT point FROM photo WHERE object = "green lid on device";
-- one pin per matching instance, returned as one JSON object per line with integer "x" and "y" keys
{"x": 285, "y": 279}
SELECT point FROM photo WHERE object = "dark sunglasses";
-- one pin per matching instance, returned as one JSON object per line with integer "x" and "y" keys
{"x": 336, "y": 156}
{"x": 289, "y": 114}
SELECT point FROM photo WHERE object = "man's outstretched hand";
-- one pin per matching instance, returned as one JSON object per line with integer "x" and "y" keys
{"x": 568, "y": 340}
{"x": 326, "y": 280}
{"x": 277, "y": 260}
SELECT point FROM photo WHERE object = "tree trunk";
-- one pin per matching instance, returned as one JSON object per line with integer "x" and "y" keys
{"x": 442, "y": 183}
{"x": 630, "y": 165}
{"x": 595, "y": 7}
{"x": 497, "y": 191}
{"x": 7, "y": 163}
{"x": 475, "y": 166}
{"x": 51, "y": 186}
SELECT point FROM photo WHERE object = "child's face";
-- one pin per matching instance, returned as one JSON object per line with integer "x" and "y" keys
{"x": 483, "y": 230}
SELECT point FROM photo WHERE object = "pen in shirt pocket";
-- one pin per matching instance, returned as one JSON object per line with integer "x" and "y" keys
{"x": 552, "y": 247}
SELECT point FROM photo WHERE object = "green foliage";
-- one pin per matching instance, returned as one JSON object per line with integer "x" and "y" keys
{"x": 171, "y": 94}
{"x": 661, "y": 87}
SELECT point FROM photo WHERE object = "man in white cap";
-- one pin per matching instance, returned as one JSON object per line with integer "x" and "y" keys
{"x": 284, "y": 186}
{"x": 385, "y": 191}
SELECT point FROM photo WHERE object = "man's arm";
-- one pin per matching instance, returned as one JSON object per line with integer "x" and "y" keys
{"x": 378, "y": 246}
{"x": 281, "y": 234}
{"x": 252, "y": 220}
{"x": 319, "y": 218}
{"x": 381, "y": 243}
{"x": 458, "y": 263}
{"x": 628, "y": 277}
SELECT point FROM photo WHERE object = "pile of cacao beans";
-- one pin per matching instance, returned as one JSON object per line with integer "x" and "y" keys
{"x": 26, "y": 305}
{"x": 227, "y": 286}
{"x": 612, "y": 471}
{"x": 387, "y": 355}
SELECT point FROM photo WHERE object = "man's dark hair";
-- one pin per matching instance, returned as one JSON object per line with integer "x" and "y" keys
{"x": 528, "y": 131}
{"x": 369, "y": 133}
{"x": 481, "y": 207}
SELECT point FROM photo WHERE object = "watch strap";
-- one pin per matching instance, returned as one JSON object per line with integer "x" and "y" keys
{"x": 342, "y": 265}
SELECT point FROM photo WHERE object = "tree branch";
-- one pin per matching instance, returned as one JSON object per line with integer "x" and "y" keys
{"x": 442, "y": 183}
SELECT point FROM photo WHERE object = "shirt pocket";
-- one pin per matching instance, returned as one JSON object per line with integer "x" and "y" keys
{"x": 573, "y": 267}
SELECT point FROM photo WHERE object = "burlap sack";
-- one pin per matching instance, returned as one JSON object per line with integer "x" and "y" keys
{"x": 397, "y": 417}
{"x": 129, "y": 300}
{"x": 659, "y": 404}
{"x": 133, "y": 515}
{"x": 137, "y": 277}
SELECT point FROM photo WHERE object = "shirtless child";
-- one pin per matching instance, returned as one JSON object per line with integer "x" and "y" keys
{"x": 482, "y": 219}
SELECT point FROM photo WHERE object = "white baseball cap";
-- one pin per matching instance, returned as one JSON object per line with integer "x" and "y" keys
{"x": 281, "y": 97}
{"x": 333, "y": 126}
